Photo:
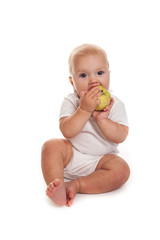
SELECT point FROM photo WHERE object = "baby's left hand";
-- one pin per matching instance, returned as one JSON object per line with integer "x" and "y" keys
{"x": 97, "y": 115}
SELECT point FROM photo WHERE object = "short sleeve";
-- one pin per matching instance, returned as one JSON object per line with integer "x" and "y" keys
{"x": 118, "y": 112}
{"x": 69, "y": 105}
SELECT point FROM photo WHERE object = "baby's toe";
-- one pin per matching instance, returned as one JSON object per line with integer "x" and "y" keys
{"x": 56, "y": 182}
{"x": 48, "y": 193}
{"x": 51, "y": 185}
{"x": 50, "y": 188}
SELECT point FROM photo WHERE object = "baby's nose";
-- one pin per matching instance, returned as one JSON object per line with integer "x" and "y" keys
{"x": 92, "y": 79}
{"x": 93, "y": 83}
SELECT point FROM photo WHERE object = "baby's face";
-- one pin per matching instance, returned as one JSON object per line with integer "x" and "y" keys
{"x": 90, "y": 71}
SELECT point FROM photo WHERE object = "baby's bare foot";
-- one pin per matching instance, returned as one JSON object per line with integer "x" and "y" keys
{"x": 56, "y": 191}
{"x": 72, "y": 188}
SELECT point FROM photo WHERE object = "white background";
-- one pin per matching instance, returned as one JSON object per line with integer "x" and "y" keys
{"x": 36, "y": 39}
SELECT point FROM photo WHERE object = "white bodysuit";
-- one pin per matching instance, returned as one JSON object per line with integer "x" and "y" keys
{"x": 90, "y": 143}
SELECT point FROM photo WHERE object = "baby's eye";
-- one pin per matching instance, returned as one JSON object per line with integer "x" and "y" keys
{"x": 100, "y": 73}
{"x": 83, "y": 75}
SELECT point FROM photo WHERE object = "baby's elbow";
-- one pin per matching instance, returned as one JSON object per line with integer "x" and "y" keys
{"x": 66, "y": 133}
{"x": 62, "y": 127}
{"x": 121, "y": 137}
{"x": 124, "y": 134}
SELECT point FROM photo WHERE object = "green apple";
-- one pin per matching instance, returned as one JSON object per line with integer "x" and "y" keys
{"x": 105, "y": 99}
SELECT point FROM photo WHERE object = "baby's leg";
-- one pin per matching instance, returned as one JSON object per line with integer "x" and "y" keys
{"x": 111, "y": 172}
{"x": 56, "y": 154}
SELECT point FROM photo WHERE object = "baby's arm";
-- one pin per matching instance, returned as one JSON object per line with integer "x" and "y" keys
{"x": 113, "y": 131}
{"x": 72, "y": 125}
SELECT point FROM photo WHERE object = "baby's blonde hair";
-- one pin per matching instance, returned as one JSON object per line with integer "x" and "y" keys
{"x": 84, "y": 50}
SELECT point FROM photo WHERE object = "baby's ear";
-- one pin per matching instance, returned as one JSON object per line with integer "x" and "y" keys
{"x": 70, "y": 80}
{"x": 72, "y": 83}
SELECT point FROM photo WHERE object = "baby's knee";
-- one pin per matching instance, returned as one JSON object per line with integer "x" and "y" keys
{"x": 53, "y": 146}
{"x": 122, "y": 173}
{"x": 49, "y": 146}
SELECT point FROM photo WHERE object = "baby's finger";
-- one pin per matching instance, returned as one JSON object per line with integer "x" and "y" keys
{"x": 98, "y": 101}
{"x": 95, "y": 95}
{"x": 83, "y": 93}
{"x": 93, "y": 91}
{"x": 106, "y": 109}
{"x": 111, "y": 102}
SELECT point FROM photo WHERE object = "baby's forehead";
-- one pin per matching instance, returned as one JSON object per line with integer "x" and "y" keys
{"x": 93, "y": 55}
{"x": 77, "y": 59}
{"x": 84, "y": 51}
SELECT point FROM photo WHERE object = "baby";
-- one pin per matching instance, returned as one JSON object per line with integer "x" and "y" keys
{"x": 87, "y": 155}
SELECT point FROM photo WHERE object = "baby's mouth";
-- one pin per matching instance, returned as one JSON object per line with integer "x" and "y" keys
{"x": 93, "y": 85}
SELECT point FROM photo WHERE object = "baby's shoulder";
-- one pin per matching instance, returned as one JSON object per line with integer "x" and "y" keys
{"x": 117, "y": 101}
{"x": 72, "y": 98}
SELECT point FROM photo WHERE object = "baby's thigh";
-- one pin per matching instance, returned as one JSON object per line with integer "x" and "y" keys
{"x": 67, "y": 151}
{"x": 58, "y": 148}
{"x": 113, "y": 162}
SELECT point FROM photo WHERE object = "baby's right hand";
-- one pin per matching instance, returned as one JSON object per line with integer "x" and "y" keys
{"x": 89, "y": 100}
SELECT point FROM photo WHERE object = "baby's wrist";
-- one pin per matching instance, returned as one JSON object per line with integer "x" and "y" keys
{"x": 84, "y": 111}
{"x": 100, "y": 120}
